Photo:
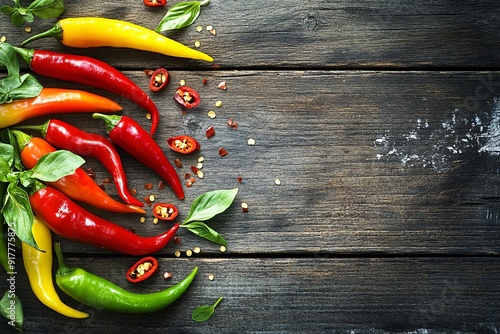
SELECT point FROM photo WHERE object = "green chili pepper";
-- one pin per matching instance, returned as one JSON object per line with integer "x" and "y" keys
{"x": 98, "y": 292}
{"x": 4, "y": 254}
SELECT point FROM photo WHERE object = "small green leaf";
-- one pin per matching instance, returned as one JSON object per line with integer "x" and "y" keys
{"x": 18, "y": 214}
{"x": 204, "y": 312}
{"x": 181, "y": 15}
{"x": 52, "y": 166}
{"x": 12, "y": 310}
{"x": 204, "y": 231}
{"x": 29, "y": 87}
{"x": 47, "y": 9}
{"x": 210, "y": 204}
{"x": 4, "y": 170}
{"x": 7, "y": 153}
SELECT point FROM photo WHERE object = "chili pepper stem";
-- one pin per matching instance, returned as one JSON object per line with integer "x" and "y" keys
{"x": 22, "y": 139}
{"x": 63, "y": 269}
{"x": 110, "y": 121}
{"x": 56, "y": 31}
{"x": 42, "y": 128}
{"x": 26, "y": 54}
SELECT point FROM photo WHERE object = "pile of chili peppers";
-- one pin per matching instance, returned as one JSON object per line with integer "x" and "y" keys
{"x": 55, "y": 205}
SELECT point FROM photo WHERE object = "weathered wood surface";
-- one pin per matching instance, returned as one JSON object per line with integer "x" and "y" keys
{"x": 386, "y": 219}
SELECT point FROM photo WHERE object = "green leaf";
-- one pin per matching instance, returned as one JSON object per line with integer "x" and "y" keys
{"x": 29, "y": 87}
{"x": 181, "y": 15}
{"x": 7, "y": 10}
{"x": 204, "y": 231}
{"x": 18, "y": 214}
{"x": 4, "y": 170}
{"x": 210, "y": 204}
{"x": 7, "y": 153}
{"x": 52, "y": 166}
{"x": 8, "y": 57}
{"x": 7, "y": 137}
{"x": 12, "y": 310}
{"x": 47, "y": 9}
{"x": 204, "y": 312}
{"x": 17, "y": 19}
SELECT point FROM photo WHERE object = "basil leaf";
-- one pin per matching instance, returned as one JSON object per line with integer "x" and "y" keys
{"x": 209, "y": 204}
{"x": 204, "y": 312}
{"x": 12, "y": 310}
{"x": 4, "y": 170}
{"x": 29, "y": 87}
{"x": 181, "y": 15}
{"x": 204, "y": 231}
{"x": 47, "y": 9}
{"x": 18, "y": 214}
{"x": 52, "y": 166}
{"x": 8, "y": 57}
{"x": 7, "y": 137}
{"x": 7, "y": 153}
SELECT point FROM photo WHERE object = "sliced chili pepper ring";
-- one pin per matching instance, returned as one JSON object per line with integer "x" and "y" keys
{"x": 142, "y": 269}
{"x": 155, "y": 3}
{"x": 187, "y": 97}
{"x": 159, "y": 79}
{"x": 165, "y": 211}
{"x": 183, "y": 144}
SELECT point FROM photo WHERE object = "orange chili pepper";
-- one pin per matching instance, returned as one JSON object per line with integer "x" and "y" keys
{"x": 54, "y": 101}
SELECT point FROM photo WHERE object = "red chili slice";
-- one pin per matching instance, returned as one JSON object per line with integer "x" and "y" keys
{"x": 187, "y": 97}
{"x": 183, "y": 144}
{"x": 142, "y": 269}
{"x": 155, "y": 3}
{"x": 165, "y": 211}
{"x": 159, "y": 79}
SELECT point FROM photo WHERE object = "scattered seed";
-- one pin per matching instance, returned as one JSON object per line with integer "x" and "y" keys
{"x": 211, "y": 277}
{"x": 213, "y": 32}
{"x": 155, "y": 221}
{"x": 177, "y": 253}
{"x": 222, "y": 85}
{"x": 152, "y": 198}
{"x": 218, "y": 104}
{"x": 189, "y": 252}
{"x": 211, "y": 114}
{"x": 167, "y": 275}
{"x": 222, "y": 248}
{"x": 197, "y": 44}
{"x": 182, "y": 82}
{"x": 277, "y": 182}
{"x": 201, "y": 159}
{"x": 244, "y": 206}
{"x": 199, "y": 28}
{"x": 209, "y": 28}
{"x": 3, "y": 39}
{"x": 200, "y": 174}
{"x": 143, "y": 219}
{"x": 197, "y": 250}
{"x": 199, "y": 165}
{"x": 27, "y": 29}
{"x": 148, "y": 116}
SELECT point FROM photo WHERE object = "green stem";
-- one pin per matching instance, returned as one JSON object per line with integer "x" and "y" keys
{"x": 22, "y": 139}
{"x": 217, "y": 302}
{"x": 110, "y": 121}
{"x": 26, "y": 54}
{"x": 42, "y": 128}
{"x": 63, "y": 269}
{"x": 56, "y": 31}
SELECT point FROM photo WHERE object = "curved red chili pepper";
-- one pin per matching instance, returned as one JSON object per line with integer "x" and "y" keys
{"x": 69, "y": 220}
{"x": 68, "y": 137}
{"x": 79, "y": 186}
{"x": 137, "y": 274}
{"x": 187, "y": 97}
{"x": 183, "y": 144}
{"x": 133, "y": 139}
{"x": 91, "y": 72}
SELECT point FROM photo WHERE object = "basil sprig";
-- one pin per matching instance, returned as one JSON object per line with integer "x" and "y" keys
{"x": 204, "y": 312}
{"x": 181, "y": 15}
{"x": 44, "y": 9}
{"x": 205, "y": 207}
{"x": 15, "y": 86}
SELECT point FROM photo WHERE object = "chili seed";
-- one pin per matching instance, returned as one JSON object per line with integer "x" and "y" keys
{"x": 199, "y": 28}
{"x": 201, "y": 159}
{"x": 177, "y": 253}
{"x": 222, "y": 248}
{"x": 244, "y": 206}
{"x": 199, "y": 165}
{"x": 211, "y": 277}
{"x": 197, "y": 250}
{"x": 155, "y": 221}
{"x": 277, "y": 182}
{"x": 182, "y": 82}
{"x": 27, "y": 29}
{"x": 211, "y": 114}
{"x": 148, "y": 116}
{"x": 222, "y": 85}
{"x": 3, "y": 39}
{"x": 143, "y": 219}
{"x": 189, "y": 252}
{"x": 167, "y": 275}
{"x": 197, "y": 44}
{"x": 218, "y": 104}
{"x": 148, "y": 186}
{"x": 209, "y": 28}
{"x": 200, "y": 174}
{"x": 251, "y": 142}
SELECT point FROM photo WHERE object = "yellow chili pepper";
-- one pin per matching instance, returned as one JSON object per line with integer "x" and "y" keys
{"x": 38, "y": 266}
{"x": 87, "y": 32}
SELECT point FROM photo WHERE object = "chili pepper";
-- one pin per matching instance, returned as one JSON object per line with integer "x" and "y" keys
{"x": 69, "y": 220}
{"x": 91, "y": 72}
{"x": 87, "y": 32}
{"x": 159, "y": 80}
{"x": 187, "y": 97}
{"x": 78, "y": 186}
{"x": 155, "y": 3}
{"x": 142, "y": 269}
{"x": 38, "y": 265}
{"x": 183, "y": 144}
{"x": 133, "y": 139}
{"x": 95, "y": 291}
{"x": 165, "y": 211}
{"x": 54, "y": 101}
{"x": 68, "y": 137}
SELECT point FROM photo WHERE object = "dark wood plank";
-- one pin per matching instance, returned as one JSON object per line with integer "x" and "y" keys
{"x": 316, "y": 33}
{"x": 314, "y": 295}
{"x": 369, "y": 162}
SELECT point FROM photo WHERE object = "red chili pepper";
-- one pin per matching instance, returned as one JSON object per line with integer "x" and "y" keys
{"x": 91, "y": 72}
{"x": 54, "y": 101}
{"x": 165, "y": 211}
{"x": 187, "y": 97}
{"x": 155, "y": 3}
{"x": 78, "y": 186}
{"x": 183, "y": 144}
{"x": 68, "y": 137}
{"x": 142, "y": 269}
{"x": 133, "y": 139}
{"x": 70, "y": 221}
{"x": 159, "y": 80}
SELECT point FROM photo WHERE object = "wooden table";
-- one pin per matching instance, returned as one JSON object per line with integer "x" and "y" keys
{"x": 381, "y": 121}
